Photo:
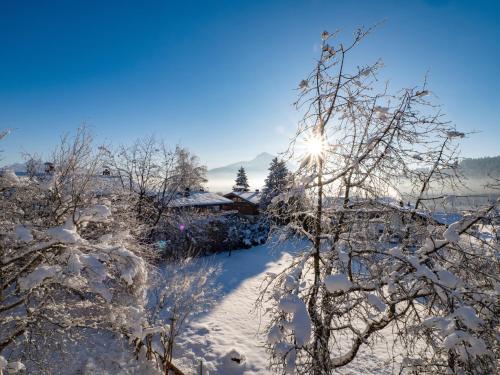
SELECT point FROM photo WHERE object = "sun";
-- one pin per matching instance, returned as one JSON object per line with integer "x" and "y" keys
{"x": 314, "y": 145}
{"x": 312, "y": 149}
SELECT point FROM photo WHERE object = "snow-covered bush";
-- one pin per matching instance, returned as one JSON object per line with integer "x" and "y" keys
{"x": 189, "y": 233}
{"x": 69, "y": 268}
{"x": 378, "y": 267}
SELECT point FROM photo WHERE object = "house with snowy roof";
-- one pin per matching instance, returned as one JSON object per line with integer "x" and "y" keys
{"x": 246, "y": 202}
{"x": 201, "y": 200}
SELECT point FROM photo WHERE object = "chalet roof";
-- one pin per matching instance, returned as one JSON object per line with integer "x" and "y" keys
{"x": 252, "y": 197}
{"x": 199, "y": 199}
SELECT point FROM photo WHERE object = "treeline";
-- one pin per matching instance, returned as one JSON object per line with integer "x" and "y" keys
{"x": 481, "y": 167}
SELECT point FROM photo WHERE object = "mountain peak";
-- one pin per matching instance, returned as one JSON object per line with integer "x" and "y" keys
{"x": 257, "y": 165}
{"x": 264, "y": 155}
{"x": 222, "y": 178}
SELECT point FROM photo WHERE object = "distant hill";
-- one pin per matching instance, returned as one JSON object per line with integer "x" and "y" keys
{"x": 481, "y": 167}
{"x": 222, "y": 179}
{"x": 16, "y": 167}
{"x": 476, "y": 171}
{"x": 258, "y": 164}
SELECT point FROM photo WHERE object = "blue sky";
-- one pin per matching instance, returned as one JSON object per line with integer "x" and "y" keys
{"x": 219, "y": 76}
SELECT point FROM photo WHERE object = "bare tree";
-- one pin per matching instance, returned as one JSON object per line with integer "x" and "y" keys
{"x": 174, "y": 298}
{"x": 376, "y": 263}
{"x": 155, "y": 175}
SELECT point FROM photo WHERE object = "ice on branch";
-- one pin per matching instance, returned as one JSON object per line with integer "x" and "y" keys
{"x": 376, "y": 302}
{"x": 448, "y": 279}
{"x": 451, "y": 234}
{"x": 22, "y": 233}
{"x": 37, "y": 277}
{"x": 96, "y": 213}
{"x": 474, "y": 346}
{"x": 301, "y": 322}
{"x": 468, "y": 317}
{"x": 338, "y": 283}
{"x": 65, "y": 233}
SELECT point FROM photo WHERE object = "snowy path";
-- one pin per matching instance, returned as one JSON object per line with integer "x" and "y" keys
{"x": 231, "y": 328}
{"x": 232, "y": 324}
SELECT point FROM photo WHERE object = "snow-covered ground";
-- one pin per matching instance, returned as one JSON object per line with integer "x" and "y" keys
{"x": 231, "y": 328}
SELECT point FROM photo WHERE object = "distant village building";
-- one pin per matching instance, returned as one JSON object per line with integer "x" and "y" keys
{"x": 49, "y": 167}
{"x": 246, "y": 202}
{"x": 200, "y": 200}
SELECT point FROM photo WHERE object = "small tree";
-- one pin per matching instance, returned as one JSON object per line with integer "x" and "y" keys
{"x": 276, "y": 182}
{"x": 241, "y": 180}
{"x": 189, "y": 172}
{"x": 182, "y": 291}
{"x": 33, "y": 166}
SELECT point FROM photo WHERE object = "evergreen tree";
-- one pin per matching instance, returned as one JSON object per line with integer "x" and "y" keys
{"x": 241, "y": 180}
{"x": 275, "y": 183}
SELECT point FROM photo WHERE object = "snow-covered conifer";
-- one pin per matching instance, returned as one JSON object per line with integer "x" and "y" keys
{"x": 241, "y": 182}
{"x": 275, "y": 183}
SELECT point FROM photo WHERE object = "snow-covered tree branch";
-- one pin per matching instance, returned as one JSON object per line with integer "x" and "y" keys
{"x": 67, "y": 266}
{"x": 377, "y": 264}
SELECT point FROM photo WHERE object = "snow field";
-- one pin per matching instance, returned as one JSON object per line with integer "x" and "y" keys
{"x": 230, "y": 336}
